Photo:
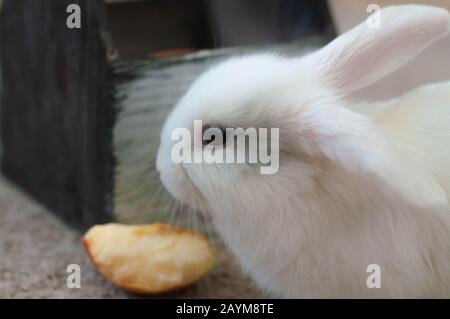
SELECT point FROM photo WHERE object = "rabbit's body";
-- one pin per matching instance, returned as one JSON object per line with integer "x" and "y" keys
{"x": 323, "y": 251}
{"x": 341, "y": 227}
{"x": 420, "y": 121}
{"x": 357, "y": 185}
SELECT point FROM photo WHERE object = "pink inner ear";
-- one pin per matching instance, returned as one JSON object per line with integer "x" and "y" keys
{"x": 364, "y": 55}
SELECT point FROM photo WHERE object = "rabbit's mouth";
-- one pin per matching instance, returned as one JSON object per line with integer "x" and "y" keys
{"x": 178, "y": 183}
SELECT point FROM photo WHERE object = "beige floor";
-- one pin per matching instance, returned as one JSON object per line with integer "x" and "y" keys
{"x": 35, "y": 249}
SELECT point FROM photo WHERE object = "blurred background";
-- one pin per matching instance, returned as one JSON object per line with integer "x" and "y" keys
{"x": 147, "y": 28}
{"x": 160, "y": 28}
{"x": 77, "y": 108}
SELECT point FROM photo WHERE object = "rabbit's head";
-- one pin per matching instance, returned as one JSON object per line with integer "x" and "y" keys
{"x": 304, "y": 98}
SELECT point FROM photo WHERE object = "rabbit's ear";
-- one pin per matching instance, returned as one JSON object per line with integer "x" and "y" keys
{"x": 353, "y": 143}
{"x": 372, "y": 50}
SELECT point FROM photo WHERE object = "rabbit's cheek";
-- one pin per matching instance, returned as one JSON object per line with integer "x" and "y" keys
{"x": 174, "y": 181}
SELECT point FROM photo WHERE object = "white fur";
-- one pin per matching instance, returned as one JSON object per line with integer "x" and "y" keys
{"x": 355, "y": 186}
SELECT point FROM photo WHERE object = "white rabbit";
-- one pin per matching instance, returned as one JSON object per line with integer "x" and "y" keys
{"x": 357, "y": 184}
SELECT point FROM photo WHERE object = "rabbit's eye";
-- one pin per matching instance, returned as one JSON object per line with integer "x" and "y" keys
{"x": 214, "y": 134}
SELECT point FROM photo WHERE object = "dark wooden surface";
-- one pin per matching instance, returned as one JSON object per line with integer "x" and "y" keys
{"x": 57, "y": 115}
{"x": 145, "y": 27}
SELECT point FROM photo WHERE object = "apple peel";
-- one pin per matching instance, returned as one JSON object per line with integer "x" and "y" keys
{"x": 152, "y": 258}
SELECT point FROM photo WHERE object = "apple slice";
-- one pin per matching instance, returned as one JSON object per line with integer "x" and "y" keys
{"x": 151, "y": 258}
